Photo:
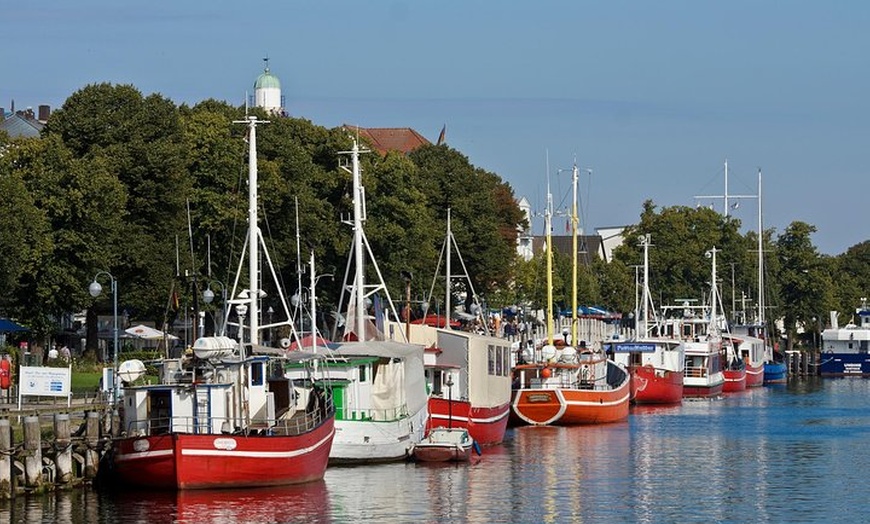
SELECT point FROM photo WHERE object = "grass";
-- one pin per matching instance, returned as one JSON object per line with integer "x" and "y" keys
{"x": 83, "y": 381}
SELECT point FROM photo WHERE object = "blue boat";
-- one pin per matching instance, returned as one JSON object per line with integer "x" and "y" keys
{"x": 846, "y": 350}
{"x": 775, "y": 372}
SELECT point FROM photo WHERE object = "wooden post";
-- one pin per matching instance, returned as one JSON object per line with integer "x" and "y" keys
{"x": 5, "y": 459}
{"x": 63, "y": 449}
{"x": 92, "y": 438}
{"x": 32, "y": 453}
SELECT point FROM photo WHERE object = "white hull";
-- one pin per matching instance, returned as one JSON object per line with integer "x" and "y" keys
{"x": 361, "y": 441}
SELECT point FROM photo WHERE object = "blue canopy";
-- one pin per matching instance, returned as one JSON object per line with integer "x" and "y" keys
{"x": 7, "y": 326}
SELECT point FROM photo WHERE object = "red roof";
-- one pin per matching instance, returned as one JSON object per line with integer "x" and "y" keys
{"x": 384, "y": 139}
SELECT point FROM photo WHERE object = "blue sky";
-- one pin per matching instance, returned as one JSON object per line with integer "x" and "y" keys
{"x": 651, "y": 96}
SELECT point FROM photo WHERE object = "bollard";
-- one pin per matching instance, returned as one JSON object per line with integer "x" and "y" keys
{"x": 5, "y": 459}
{"x": 92, "y": 438}
{"x": 63, "y": 449}
{"x": 32, "y": 453}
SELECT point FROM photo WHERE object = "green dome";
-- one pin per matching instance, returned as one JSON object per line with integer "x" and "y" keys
{"x": 267, "y": 80}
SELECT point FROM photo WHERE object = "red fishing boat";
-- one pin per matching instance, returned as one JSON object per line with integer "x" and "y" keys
{"x": 656, "y": 363}
{"x": 467, "y": 373}
{"x": 224, "y": 415}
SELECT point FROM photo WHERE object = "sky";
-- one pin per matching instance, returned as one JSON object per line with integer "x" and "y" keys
{"x": 648, "y": 98}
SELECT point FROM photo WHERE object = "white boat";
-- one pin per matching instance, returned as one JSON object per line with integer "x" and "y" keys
{"x": 376, "y": 378}
{"x": 445, "y": 445}
{"x": 846, "y": 349}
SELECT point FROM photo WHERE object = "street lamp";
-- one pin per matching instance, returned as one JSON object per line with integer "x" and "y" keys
{"x": 208, "y": 298}
{"x": 241, "y": 311}
{"x": 95, "y": 289}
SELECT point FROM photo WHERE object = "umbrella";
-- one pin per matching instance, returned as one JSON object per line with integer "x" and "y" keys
{"x": 144, "y": 332}
{"x": 7, "y": 326}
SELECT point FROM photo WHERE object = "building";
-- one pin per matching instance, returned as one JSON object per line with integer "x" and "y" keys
{"x": 384, "y": 139}
{"x": 23, "y": 123}
{"x": 267, "y": 92}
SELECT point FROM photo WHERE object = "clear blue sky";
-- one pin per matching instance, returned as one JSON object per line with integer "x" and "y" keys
{"x": 652, "y": 96}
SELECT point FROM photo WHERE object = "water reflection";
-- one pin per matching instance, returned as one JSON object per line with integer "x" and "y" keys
{"x": 792, "y": 453}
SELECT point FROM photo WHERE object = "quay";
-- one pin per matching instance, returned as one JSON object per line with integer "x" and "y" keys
{"x": 52, "y": 446}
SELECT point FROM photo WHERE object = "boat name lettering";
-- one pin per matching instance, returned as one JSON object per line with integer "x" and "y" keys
{"x": 227, "y": 444}
{"x": 539, "y": 397}
{"x": 634, "y": 348}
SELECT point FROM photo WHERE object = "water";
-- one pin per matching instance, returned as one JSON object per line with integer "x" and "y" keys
{"x": 775, "y": 454}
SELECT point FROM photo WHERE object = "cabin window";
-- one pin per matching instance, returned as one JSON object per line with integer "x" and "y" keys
{"x": 499, "y": 361}
{"x": 506, "y": 352}
{"x": 491, "y": 360}
{"x": 436, "y": 381}
{"x": 257, "y": 374}
{"x": 362, "y": 373}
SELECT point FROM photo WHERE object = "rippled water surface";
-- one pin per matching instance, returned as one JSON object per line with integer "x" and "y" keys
{"x": 791, "y": 453}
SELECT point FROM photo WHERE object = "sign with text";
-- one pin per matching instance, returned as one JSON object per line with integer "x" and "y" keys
{"x": 44, "y": 381}
{"x": 633, "y": 348}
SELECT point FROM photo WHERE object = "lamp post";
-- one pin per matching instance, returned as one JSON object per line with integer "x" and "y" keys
{"x": 208, "y": 297}
{"x": 95, "y": 289}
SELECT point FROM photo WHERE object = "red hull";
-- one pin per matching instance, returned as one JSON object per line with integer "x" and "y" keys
{"x": 569, "y": 407}
{"x": 735, "y": 380}
{"x": 441, "y": 453}
{"x": 754, "y": 375}
{"x": 703, "y": 391}
{"x": 485, "y": 425}
{"x": 656, "y": 386}
{"x": 186, "y": 461}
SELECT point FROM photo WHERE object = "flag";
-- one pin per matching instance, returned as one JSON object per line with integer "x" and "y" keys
{"x": 441, "y": 135}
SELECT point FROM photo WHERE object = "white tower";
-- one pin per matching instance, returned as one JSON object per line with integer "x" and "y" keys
{"x": 267, "y": 92}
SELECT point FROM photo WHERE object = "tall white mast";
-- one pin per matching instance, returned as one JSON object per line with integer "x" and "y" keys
{"x": 575, "y": 223}
{"x": 359, "y": 258}
{"x": 447, "y": 310}
{"x": 761, "y": 304}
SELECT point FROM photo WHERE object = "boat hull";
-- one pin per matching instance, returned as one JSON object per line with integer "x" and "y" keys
{"x": 754, "y": 375}
{"x": 372, "y": 442}
{"x": 775, "y": 373}
{"x": 441, "y": 453}
{"x": 190, "y": 461}
{"x": 735, "y": 380}
{"x": 485, "y": 425}
{"x": 650, "y": 385}
{"x": 707, "y": 390}
{"x": 569, "y": 407}
{"x": 844, "y": 364}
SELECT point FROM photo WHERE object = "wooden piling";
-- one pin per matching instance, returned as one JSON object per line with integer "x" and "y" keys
{"x": 63, "y": 449}
{"x": 32, "y": 453}
{"x": 92, "y": 439}
{"x": 5, "y": 459}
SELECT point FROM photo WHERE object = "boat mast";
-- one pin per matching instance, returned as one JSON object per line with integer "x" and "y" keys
{"x": 647, "y": 296}
{"x": 447, "y": 309}
{"x": 359, "y": 258}
{"x": 575, "y": 222}
{"x": 548, "y": 216}
{"x": 761, "y": 304}
{"x": 714, "y": 296}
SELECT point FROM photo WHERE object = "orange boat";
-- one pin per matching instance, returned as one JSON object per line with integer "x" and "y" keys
{"x": 564, "y": 386}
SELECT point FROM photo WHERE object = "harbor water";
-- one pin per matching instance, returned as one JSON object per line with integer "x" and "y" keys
{"x": 789, "y": 453}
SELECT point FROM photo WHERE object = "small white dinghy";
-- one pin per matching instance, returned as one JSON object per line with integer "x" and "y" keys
{"x": 445, "y": 445}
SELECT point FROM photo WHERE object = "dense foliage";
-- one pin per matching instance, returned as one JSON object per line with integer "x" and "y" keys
{"x": 156, "y": 195}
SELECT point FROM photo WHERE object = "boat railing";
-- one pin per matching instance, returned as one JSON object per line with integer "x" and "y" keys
{"x": 370, "y": 414}
{"x": 301, "y": 421}
{"x": 693, "y": 372}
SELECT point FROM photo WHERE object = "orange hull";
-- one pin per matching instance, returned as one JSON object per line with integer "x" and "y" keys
{"x": 569, "y": 407}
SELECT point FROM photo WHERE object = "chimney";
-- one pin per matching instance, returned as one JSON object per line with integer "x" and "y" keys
{"x": 44, "y": 112}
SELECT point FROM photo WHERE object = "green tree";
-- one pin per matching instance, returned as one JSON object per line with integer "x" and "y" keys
{"x": 806, "y": 289}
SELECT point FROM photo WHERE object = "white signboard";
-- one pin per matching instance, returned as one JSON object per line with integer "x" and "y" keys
{"x": 44, "y": 382}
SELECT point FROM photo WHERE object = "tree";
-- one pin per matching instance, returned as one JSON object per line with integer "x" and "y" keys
{"x": 806, "y": 289}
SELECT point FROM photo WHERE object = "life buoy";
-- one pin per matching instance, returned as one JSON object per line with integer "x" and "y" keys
{"x": 5, "y": 374}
